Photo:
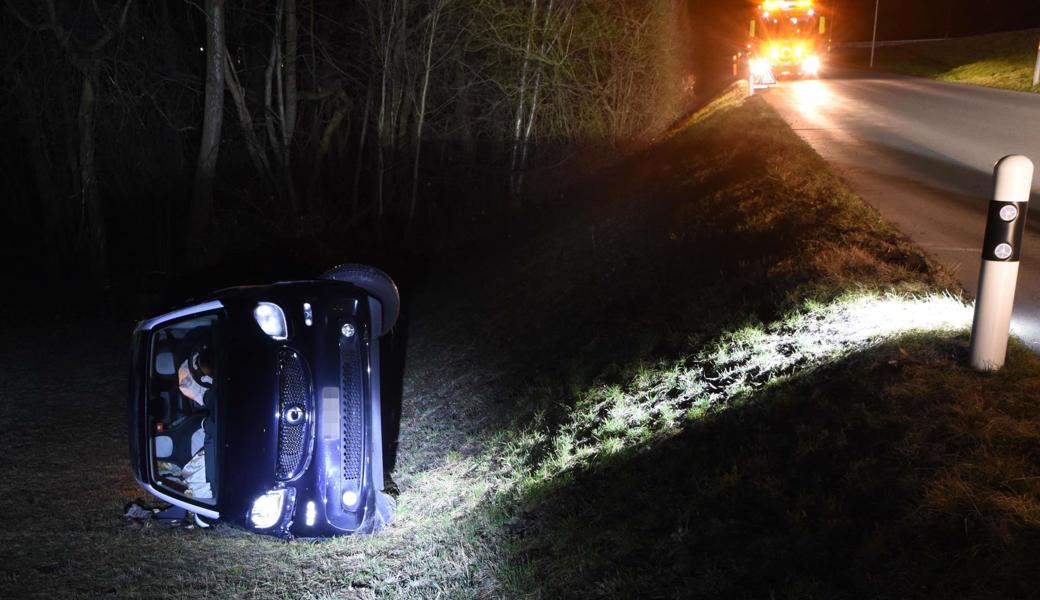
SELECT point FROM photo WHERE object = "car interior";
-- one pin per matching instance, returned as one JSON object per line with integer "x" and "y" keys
{"x": 181, "y": 428}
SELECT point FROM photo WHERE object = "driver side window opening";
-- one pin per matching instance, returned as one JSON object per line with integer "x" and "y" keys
{"x": 182, "y": 408}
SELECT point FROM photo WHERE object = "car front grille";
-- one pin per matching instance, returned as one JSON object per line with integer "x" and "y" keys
{"x": 352, "y": 393}
{"x": 294, "y": 393}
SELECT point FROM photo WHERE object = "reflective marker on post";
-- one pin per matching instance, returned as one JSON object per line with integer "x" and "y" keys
{"x": 1000, "y": 253}
{"x": 1036, "y": 69}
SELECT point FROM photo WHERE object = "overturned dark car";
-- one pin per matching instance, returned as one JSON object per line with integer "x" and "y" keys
{"x": 260, "y": 407}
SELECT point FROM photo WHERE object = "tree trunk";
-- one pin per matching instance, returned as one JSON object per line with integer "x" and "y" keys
{"x": 521, "y": 104}
{"x": 386, "y": 33}
{"x": 532, "y": 112}
{"x": 201, "y": 215}
{"x": 36, "y": 138}
{"x": 291, "y": 53}
{"x": 94, "y": 215}
{"x": 280, "y": 96}
{"x": 325, "y": 144}
{"x": 290, "y": 102}
{"x": 245, "y": 120}
{"x": 361, "y": 151}
{"x": 421, "y": 113}
{"x": 269, "y": 75}
{"x": 463, "y": 118}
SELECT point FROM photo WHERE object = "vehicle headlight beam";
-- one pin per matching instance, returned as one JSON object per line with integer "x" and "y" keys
{"x": 812, "y": 65}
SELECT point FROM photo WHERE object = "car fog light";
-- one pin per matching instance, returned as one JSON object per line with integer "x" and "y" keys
{"x": 267, "y": 509}
{"x": 312, "y": 514}
{"x": 350, "y": 498}
{"x": 271, "y": 319}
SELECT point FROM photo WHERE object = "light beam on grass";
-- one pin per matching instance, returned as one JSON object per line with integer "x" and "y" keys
{"x": 822, "y": 335}
{"x": 609, "y": 419}
{"x": 1027, "y": 327}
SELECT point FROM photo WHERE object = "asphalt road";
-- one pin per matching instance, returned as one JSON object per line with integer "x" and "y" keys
{"x": 922, "y": 152}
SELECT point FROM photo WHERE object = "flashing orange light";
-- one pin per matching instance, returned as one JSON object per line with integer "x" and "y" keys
{"x": 782, "y": 5}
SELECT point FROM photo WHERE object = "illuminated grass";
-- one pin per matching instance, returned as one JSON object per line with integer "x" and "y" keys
{"x": 610, "y": 419}
{"x": 999, "y": 60}
{"x": 804, "y": 433}
{"x": 882, "y": 468}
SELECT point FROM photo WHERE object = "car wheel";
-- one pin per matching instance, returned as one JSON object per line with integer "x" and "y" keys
{"x": 376, "y": 283}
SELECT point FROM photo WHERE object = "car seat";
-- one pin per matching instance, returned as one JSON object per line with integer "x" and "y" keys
{"x": 181, "y": 439}
{"x": 164, "y": 381}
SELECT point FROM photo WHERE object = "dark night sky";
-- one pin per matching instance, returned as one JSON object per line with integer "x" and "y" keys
{"x": 903, "y": 19}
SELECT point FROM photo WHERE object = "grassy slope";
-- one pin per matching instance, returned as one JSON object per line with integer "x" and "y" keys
{"x": 999, "y": 60}
{"x": 740, "y": 462}
{"x": 659, "y": 395}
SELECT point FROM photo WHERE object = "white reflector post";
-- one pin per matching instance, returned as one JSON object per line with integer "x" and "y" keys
{"x": 1001, "y": 248}
{"x": 1036, "y": 69}
{"x": 993, "y": 307}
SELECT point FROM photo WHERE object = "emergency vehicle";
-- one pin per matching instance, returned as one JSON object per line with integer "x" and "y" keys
{"x": 788, "y": 39}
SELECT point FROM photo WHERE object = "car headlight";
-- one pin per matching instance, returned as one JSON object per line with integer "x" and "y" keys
{"x": 812, "y": 64}
{"x": 271, "y": 319}
{"x": 267, "y": 509}
{"x": 760, "y": 66}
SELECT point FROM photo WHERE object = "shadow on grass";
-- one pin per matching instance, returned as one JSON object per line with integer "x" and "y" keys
{"x": 922, "y": 483}
{"x": 394, "y": 350}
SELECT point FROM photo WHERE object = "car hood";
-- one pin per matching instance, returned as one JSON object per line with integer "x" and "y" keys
{"x": 252, "y": 409}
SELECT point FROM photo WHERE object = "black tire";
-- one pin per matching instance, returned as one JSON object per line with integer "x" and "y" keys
{"x": 377, "y": 284}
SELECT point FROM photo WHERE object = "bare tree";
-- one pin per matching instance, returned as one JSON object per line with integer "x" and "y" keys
{"x": 420, "y": 110}
{"x": 281, "y": 94}
{"x": 521, "y": 107}
{"x": 363, "y": 138}
{"x": 54, "y": 219}
{"x": 256, "y": 150}
{"x": 363, "y": 99}
{"x": 201, "y": 214}
{"x": 386, "y": 36}
{"x": 86, "y": 58}
{"x": 549, "y": 41}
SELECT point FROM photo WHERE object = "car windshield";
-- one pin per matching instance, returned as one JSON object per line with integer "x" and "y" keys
{"x": 182, "y": 394}
{"x": 790, "y": 27}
